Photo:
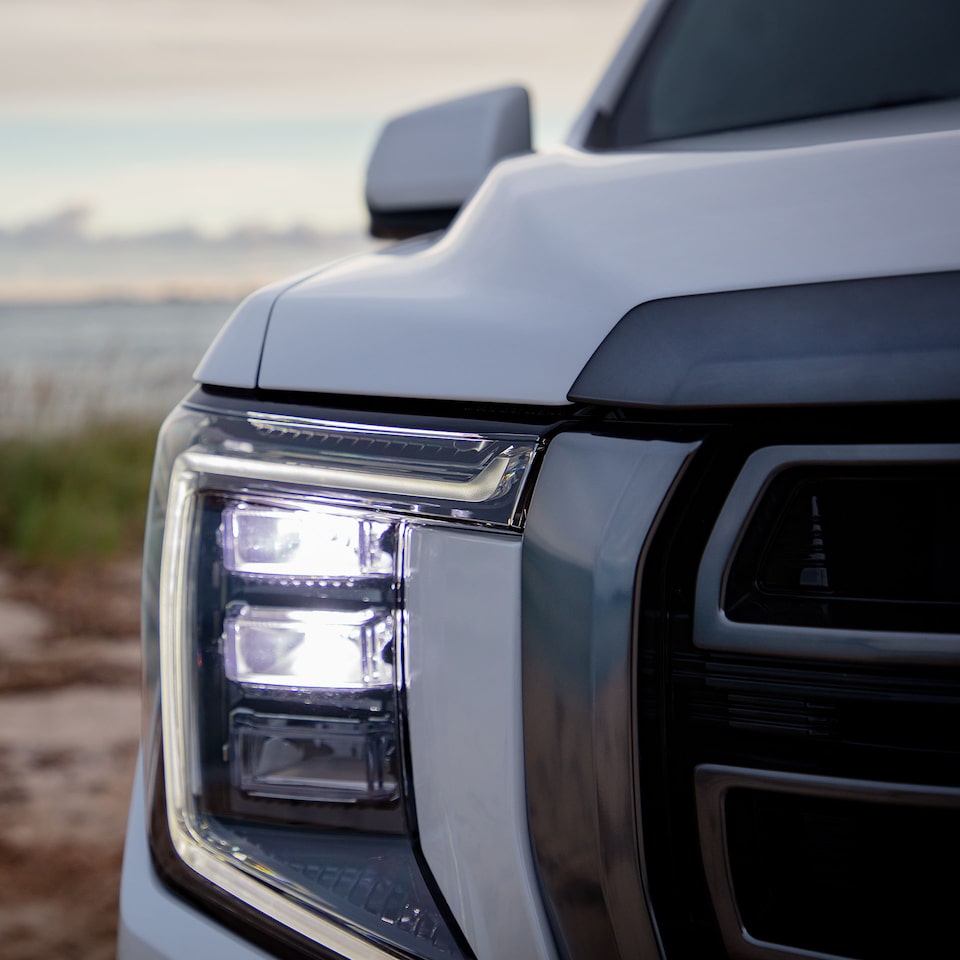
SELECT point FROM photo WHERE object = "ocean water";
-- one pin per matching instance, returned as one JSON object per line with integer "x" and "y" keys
{"x": 65, "y": 365}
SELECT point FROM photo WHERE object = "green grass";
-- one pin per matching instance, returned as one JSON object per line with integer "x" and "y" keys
{"x": 65, "y": 499}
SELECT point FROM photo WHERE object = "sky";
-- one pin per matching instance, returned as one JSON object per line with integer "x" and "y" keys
{"x": 221, "y": 119}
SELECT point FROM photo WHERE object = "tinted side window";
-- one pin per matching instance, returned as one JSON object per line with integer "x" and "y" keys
{"x": 723, "y": 64}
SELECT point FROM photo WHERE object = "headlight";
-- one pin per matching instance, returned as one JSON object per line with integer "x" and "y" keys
{"x": 274, "y": 621}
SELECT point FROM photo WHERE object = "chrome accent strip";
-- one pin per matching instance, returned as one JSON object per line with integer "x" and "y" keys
{"x": 713, "y": 631}
{"x": 714, "y": 781}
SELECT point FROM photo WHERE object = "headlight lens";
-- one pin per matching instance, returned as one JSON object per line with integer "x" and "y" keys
{"x": 277, "y": 543}
{"x": 308, "y": 649}
{"x": 281, "y": 634}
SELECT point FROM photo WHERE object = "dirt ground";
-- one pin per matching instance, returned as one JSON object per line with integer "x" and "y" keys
{"x": 69, "y": 722}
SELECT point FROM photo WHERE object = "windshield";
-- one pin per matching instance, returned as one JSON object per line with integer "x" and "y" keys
{"x": 722, "y": 64}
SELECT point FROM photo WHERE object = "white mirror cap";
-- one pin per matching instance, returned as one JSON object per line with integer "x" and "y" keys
{"x": 436, "y": 157}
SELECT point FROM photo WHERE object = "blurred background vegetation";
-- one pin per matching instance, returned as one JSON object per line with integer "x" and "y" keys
{"x": 78, "y": 497}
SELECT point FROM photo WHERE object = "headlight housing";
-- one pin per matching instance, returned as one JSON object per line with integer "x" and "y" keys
{"x": 274, "y": 627}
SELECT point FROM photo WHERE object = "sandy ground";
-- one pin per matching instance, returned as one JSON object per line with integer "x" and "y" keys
{"x": 69, "y": 722}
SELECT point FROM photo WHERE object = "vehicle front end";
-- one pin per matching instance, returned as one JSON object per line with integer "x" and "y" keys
{"x": 581, "y": 581}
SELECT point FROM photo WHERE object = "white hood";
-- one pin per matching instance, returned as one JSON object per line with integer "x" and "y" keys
{"x": 509, "y": 305}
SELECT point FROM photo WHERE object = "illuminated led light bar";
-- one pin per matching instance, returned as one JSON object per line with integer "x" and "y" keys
{"x": 306, "y": 543}
{"x": 315, "y": 649}
{"x": 495, "y": 477}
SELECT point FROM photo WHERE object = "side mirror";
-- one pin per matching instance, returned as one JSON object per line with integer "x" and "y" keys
{"x": 426, "y": 164}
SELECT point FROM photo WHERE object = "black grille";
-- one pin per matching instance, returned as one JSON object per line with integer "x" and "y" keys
{"x": 843, "y": 876}
{"x": 874, "y": 548}
{"x": 807, "y": 873}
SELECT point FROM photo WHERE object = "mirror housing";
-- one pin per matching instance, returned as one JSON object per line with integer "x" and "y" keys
{"x": 427, "y": 163}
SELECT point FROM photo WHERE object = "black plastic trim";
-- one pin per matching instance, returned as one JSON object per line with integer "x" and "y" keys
{"x": 402, "y": 224}
{"x": 452, "y": 416}
{"x": 877, "y": 340}
{"x": 714, "y": 785}
{"x": 876, "y": 721}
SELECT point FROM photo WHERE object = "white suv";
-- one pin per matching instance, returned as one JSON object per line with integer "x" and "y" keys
{"x": 582, "y": 579}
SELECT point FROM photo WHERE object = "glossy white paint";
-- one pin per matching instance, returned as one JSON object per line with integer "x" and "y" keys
{"x": 553, "y": 250}
{"x": 233, "y": 359}
{"x": 436, "y": 157}
{"x": 466, "y": 736}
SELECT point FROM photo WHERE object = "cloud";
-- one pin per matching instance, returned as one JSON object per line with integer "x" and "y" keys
{"x": 333, "y": 54}
{"x": 63, "y": 226}
{"x": 163, "y": 177}
{"x": 55, "y": 257}
{"x": 69, "y": 227}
